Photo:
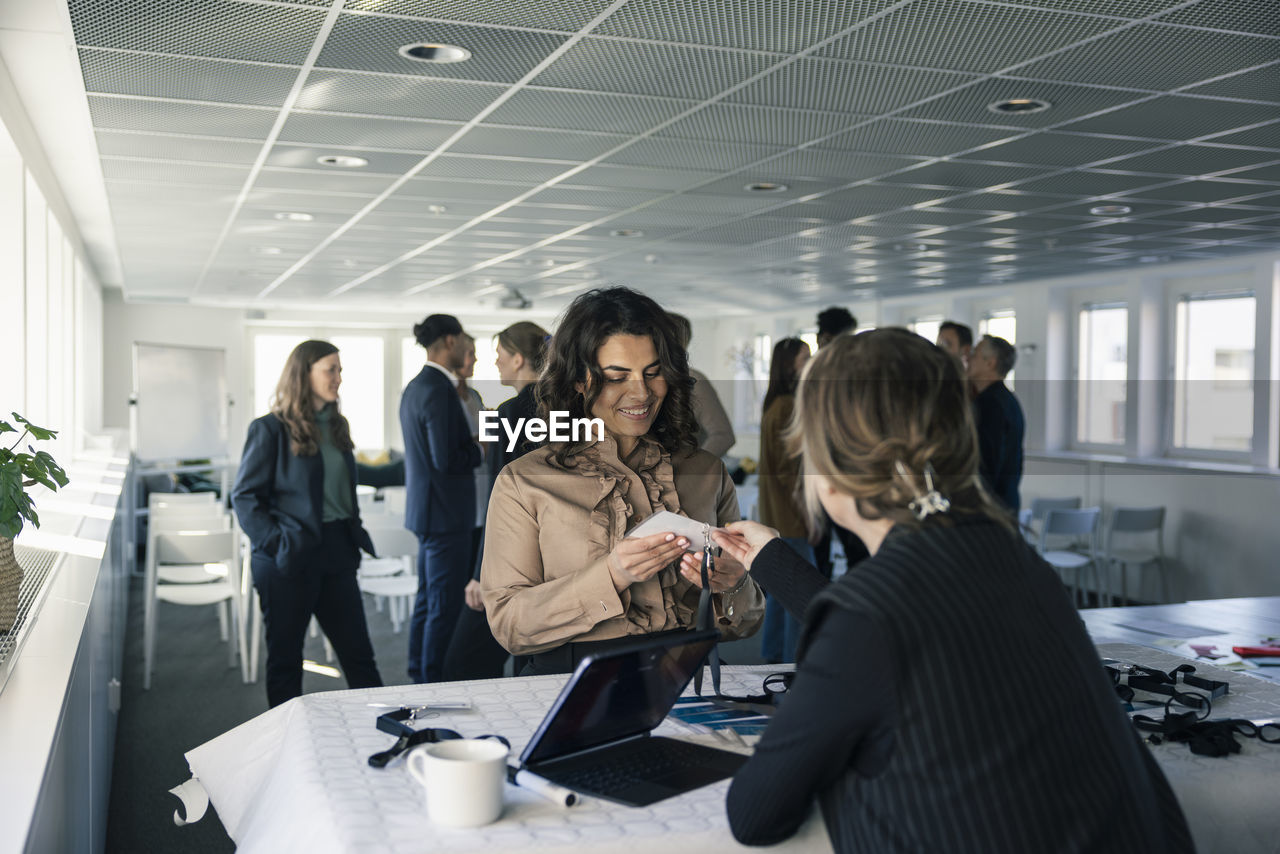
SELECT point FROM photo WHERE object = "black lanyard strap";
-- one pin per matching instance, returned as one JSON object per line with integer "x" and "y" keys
{"x": 762, "y": 704}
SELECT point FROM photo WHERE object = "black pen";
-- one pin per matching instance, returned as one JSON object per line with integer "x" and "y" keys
{"x": 558, "y": 795}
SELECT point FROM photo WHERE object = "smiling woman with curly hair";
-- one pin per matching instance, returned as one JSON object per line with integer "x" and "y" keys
{"x": 559, "y": 577}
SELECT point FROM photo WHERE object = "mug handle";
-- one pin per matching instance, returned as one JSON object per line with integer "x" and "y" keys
{"x": 414, "y": 763}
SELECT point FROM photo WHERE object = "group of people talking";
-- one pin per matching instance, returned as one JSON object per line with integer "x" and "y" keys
{"x": 907, "y": 719}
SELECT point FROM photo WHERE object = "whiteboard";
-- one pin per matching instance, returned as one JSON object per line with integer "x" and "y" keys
{"x": 179, "y": 402}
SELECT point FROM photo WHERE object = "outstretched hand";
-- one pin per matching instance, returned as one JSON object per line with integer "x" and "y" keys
{"x": 725, "y": 575}
{"x": 742, "y": 541}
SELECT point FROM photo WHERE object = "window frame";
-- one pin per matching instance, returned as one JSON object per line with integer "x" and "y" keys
{"x": 1177, "y": 295}
{"x": 1076, "y": 443}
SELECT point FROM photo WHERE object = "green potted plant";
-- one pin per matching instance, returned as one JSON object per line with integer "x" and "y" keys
{"x": 19, "y": 471}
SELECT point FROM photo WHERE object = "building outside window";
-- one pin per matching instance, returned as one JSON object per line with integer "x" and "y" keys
{"x": 1101, "y": 373}
{"x": 1213, "y": 372}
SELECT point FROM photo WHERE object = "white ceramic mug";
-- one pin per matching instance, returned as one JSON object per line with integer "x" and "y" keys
{"x": 463, "y": 779}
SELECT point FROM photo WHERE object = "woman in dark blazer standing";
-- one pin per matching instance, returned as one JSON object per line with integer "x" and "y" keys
{"x": 295, "y": 497}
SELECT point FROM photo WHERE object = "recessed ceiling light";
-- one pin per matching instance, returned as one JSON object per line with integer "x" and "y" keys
{"x": 627, "y": 232}
{"x": 342, "y": 161}
{"x": 1110, "y": 210}
{"x": 432, "y": 52}
{"x": 436, "y": 209}
{"x": 766, "y": 187}
{"x": 1019, "y": 106}
{"x": 265, "y": 250}
{"x": 294, "y": 216}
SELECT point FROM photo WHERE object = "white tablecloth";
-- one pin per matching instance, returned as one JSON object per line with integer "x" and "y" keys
{"x": 296, "y": 778}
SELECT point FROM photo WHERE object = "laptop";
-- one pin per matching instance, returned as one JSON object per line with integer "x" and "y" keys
{"x": 596, "y": 738}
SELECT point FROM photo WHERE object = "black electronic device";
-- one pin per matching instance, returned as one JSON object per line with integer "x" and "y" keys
{"x": 596, "y": 737}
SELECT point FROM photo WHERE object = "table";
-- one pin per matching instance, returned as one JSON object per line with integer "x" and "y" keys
{"x": 296, "y": 779}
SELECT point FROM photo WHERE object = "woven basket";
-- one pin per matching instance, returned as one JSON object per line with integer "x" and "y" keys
{"x": 10, "y": 582}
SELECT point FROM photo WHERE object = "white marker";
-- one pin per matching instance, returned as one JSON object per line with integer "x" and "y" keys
{"x": 558, "y": 795}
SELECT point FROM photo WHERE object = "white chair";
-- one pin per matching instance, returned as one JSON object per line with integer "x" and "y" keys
{"x": 1030, "y": 519}
{"x": 394, "y": 573}
{"x": 209, "y": 549}
{"x": 1081, "y": 527}
{"x": 181, "y": 499}
{"x": 1132, "y": 523}
{"x": 191, "y": 517}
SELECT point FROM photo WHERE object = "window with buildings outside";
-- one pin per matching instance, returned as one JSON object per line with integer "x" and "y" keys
{"x": 926, "y": 327}
{"x": 1001, "y": 324}
{"x": 1102, "y": 366}
{"x": 1213, "y": 372}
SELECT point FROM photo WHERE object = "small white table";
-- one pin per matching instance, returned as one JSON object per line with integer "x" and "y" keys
{"x": 296, "y": 778}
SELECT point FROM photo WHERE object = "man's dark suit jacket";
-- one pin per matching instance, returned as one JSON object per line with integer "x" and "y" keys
{"x": 279, "y": 496}
{"x": 1001, "y": 428}
{"x": 439, "y": 456}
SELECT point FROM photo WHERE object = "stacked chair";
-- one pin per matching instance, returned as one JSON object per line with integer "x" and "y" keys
{"x": 192, "y": 558}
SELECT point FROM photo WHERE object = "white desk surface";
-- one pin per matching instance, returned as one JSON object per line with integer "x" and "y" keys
{"x": 296, "y": 778}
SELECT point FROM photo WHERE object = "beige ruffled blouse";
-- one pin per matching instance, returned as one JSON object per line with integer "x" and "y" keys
{"x": 550, "y": 530}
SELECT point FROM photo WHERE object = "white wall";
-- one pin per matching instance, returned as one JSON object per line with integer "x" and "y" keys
{"x": 1221, "y": 537}
{"x": 194, "y": 326}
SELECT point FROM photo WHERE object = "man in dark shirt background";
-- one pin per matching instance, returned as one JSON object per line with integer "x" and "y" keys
{"x": 833, "y": 322}
{"x": 1001, "y": 425}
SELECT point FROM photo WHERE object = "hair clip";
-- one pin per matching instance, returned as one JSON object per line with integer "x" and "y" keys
{"x": 932, "y": 501}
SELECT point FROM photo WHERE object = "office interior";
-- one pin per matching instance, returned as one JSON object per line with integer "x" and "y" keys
{"x": 1097, "y": 182}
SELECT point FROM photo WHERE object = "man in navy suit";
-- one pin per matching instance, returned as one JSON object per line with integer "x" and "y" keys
{"x": 440, "y": 456}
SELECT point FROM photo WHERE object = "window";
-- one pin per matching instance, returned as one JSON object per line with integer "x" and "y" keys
{"x": 926, "y": 327}
{"x": 269, "y": 355}
{"x": 1001, "y": 324}
{"x": 751, "y": 373}
{"x": 1102, "y": 366}
{"x": 362, "y": 388}
{"x": 1213, "y": 372}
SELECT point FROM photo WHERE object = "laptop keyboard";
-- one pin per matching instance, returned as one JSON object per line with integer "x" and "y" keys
{"x": 643, "y": 760}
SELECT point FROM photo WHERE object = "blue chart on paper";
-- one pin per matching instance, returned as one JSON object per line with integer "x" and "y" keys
{"x": 702, "y": 712}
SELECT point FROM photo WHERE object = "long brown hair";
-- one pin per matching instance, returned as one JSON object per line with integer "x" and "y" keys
{"x": 783, "y": 375}
{"x": 294, "y": 403}
{"x": 588, "y": 322}
{"x": 529, "y": 340}
{"x": 869, "y": 402}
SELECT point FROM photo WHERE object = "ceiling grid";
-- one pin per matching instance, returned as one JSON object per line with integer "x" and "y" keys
{"x": 586, "y": 141}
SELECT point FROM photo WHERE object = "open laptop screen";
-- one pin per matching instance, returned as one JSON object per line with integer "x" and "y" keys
{"x": 620, "y": 693}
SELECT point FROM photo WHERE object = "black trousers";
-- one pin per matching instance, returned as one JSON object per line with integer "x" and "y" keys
{"x": 320, "y": 582}
{"x": 473, "y": 651}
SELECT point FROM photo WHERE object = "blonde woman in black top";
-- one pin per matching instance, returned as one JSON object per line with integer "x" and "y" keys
{"x": 909, "y": 721}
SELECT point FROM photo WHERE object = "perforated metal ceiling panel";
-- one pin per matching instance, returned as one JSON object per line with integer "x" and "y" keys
{"x": 615, "y": 140}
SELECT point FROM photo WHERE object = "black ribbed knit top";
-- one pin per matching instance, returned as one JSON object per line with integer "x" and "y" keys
{"x": 948, "y": 698}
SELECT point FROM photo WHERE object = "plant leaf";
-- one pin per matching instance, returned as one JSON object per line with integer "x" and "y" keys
{"x": 38, "y": 432}
{"x": 10, "y": 526}
{"x": 6, "y": 427}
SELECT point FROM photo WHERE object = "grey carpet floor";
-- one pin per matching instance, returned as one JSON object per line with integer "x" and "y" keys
{"x": 196, "y": 696}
